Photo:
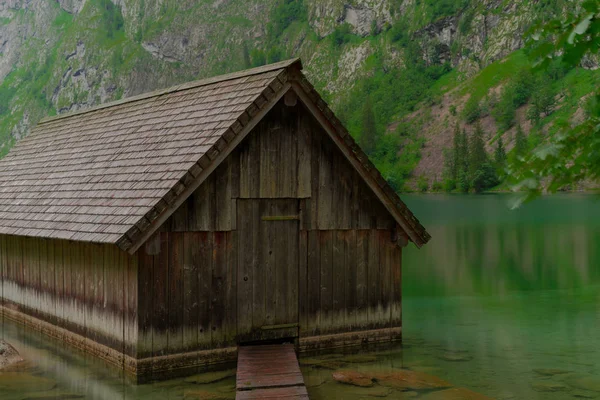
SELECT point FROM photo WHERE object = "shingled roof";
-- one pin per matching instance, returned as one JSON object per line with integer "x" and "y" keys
{"x": 113, "y": 173}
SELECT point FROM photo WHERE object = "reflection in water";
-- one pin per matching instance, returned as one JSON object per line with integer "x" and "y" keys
{"x": 502, "y": 303}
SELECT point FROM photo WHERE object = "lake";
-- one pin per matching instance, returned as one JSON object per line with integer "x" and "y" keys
{"x": 503, "y": 303}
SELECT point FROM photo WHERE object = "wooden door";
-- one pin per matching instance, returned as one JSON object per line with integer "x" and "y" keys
{"x": 268, "y": 232}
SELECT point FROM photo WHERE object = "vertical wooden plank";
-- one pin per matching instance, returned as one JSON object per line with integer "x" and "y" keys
{"x": 160, "y": 317}
{"x": 145, "y": 306}
{"x": 190, "y": 290}
{"x": 363, "y": 200}
{"x": 326, "y": 211}
{"x": 362, "y": 278}
{"x": 204, "y": 204}
{"x": 78, "y": 288}
{"x": 234, "y": 180}
{"x": 219, "y": 271}
{"x": 250, "y": 164}
{"x": 180, "y": 218}
{"x": 59, "y": 279}
{"x": 314, "y": 282}
{"x": 326, "y": 246}
{"x": 386, "y": 256}
{"x": 51, "y": 280}
{"x": 44, "y": 290}
{"x": 303, "y": 298}
{"x": 270, "y": 276}
{"x": 175, "y": 293}
{"x": 223, "y": 196}
{"x": 270, "y": 151}
{"x": 339, "y": 279}
{"x": 97, "y": 299}
{"x": 374, "y": 280}
{"x": 204, "y": 258}
{"x": 397, "y": 287}
{"x": 288, "y": 159}
{"x": 28, "y": 270}
{"x": 85, "y": 287}
{"x": 315, "y": 156}
{"x": 230, "y": 317}
{"x": 342, "y": 188}
{"x": 246, "y": 266}
{"x": 351, "y": 282}
{"x": 355, "y": 201}
{"x": 260, "y": 248}
{"x": 304, "y": 156}
{"x": 131, "y": 316}
{"x": 115, "y": 269}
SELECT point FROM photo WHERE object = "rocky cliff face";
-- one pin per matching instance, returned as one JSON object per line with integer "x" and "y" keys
{"x": 64, "y": 55}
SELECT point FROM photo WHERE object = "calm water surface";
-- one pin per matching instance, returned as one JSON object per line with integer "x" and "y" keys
{"x": 496, "y": 297}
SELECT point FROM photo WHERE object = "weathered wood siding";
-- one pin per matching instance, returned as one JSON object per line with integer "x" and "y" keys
{"x": 214, "y": 271}
{"x": 88, "y": 289}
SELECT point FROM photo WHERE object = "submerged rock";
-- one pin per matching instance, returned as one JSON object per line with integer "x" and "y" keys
{"x": 9, "y": 356}
{"x": 404, "y": 379}
{"x": 455, "y": 394}
{"x": 549, "y": 386}
{"x": 325, "y": 364}
{"x": 210, "y": 377}
{"x": 550, "y": 371}
{"x": 353, "y": 378}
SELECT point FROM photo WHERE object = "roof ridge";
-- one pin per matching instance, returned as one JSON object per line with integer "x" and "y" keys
{"x": 184, "y": 86}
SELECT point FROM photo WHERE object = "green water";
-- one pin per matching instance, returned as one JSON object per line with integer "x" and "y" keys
{"x": 495, "y": 296}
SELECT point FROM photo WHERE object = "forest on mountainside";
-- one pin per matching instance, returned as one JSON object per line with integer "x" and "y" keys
{"x": 401, "y": 75}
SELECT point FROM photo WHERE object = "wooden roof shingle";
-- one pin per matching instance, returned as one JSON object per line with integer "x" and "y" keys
{"x": 110, "y": 174}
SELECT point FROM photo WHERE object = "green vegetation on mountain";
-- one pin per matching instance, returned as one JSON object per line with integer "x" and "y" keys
{"x": 401, "y": 75}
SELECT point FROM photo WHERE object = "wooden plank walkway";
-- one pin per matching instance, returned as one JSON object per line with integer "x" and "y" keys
{"x": 269, "y": 372}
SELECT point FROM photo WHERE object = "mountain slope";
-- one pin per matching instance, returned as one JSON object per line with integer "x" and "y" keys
{"x": 407, "y": 57}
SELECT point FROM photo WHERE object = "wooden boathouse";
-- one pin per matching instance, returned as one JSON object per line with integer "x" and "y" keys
{"x": 161, "y": 231}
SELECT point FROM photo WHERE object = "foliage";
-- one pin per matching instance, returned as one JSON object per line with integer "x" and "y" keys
{"x": 477, "y": 153}
{"x": 484, "y": 178}
{"x": 500, "y": 154}
{"x": 444, "y": 8}
{"x": 471, "y": 111}
{"x": 573, "y": 154}
{"x": 284, "y": 14}
{"x": 246, "y": 56}
{"x": 514, "y": 94}
{"x": 112, "y": 18}
{"x": 423, "y": 184}
{"x": 342, "y": 34}
{"x": 258, "y": 58}
{"x": 520, "y": 142}
{"x": 467, "y": 165}
{"x": 542, "y": 102}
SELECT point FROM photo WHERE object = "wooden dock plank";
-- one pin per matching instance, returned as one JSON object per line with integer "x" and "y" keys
{"x": 293, "y": 392}
{"x": 269, "y": 372}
